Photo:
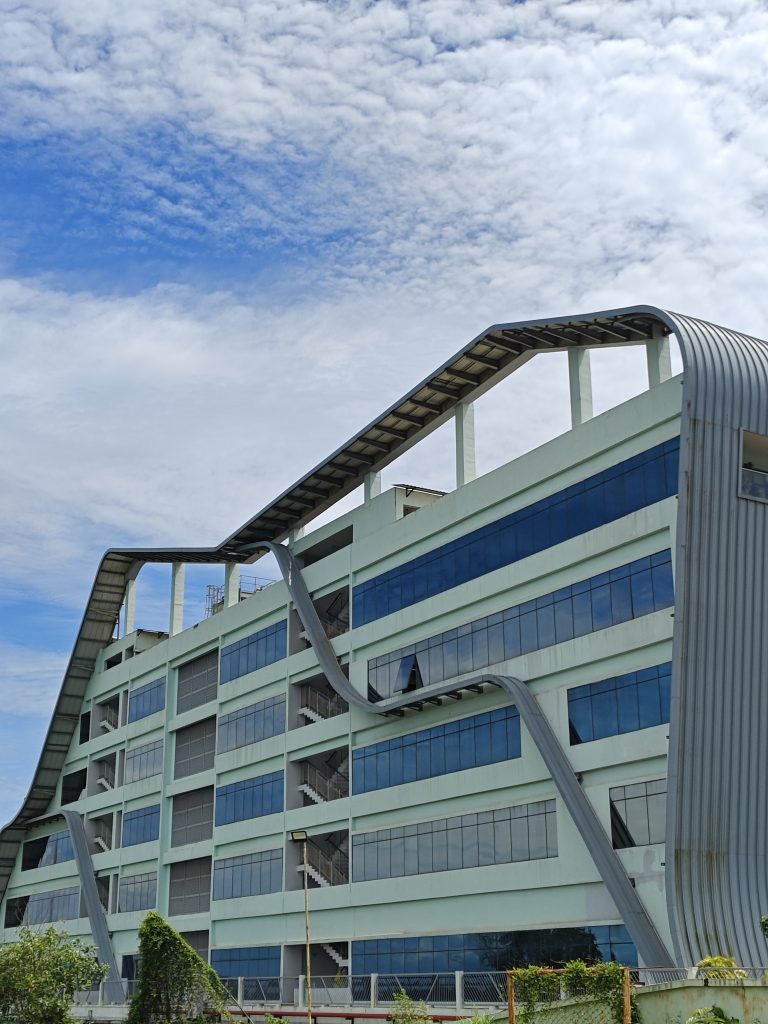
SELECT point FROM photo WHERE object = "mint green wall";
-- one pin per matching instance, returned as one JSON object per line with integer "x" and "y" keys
{"x": 547, "y": 893}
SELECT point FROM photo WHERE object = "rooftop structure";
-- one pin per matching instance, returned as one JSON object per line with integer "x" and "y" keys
{"x": 536, "y": 701}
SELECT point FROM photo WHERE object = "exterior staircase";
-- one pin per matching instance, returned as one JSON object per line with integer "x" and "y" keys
{"x": 339, "y": 958}
{"x": 317, "y": 706}
{"x": 322, "y": 786}
{"x": 324, "y": 868}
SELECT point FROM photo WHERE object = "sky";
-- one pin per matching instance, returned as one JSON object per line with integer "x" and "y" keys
{"x": 231, "y": 233}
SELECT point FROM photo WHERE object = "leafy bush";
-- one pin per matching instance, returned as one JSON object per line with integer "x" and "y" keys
{"x": 720, "y": 968}
{"x": 174, "y": 985}
{"x": 711, "y": 1014}
{"x": 603, "y": 982}
{"x": 409, "y": 1011}
{"x": 40, "y": 973}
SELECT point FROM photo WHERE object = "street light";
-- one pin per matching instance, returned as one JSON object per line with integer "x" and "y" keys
{"x": 301, "y": 836}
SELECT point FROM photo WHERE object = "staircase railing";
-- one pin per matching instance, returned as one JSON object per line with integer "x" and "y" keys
{"x": 322, "y": 704}
{"x": 330, "y": 787}
{"x": 333, "y": 867}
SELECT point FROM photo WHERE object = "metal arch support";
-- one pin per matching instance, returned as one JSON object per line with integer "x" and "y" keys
{"x": 717, "y": 817}
{"x": 114, "y": 990}
{"x": 644, "y": 934}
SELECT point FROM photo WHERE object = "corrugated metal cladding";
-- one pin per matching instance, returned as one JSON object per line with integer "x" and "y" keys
{"x": 717, "y": 826}
{"x": 717, "y": 818}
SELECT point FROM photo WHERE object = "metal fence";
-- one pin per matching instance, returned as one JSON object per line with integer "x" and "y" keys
{"x": 461, "y": 992}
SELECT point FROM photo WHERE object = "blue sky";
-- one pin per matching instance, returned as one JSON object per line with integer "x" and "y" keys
{"x": 231, "y": 233}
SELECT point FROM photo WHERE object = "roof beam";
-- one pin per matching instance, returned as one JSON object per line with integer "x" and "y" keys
{"x": 468, "y": 378}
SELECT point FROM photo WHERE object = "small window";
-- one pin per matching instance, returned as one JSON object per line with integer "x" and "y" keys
{"x": 73, "y": 786}
{"x": 754, "y": 466}
{"x": 638, "y": 814}
{"x": 85, "y": 727}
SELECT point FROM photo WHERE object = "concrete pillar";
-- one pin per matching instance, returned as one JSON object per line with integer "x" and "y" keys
{"x": 178, "y": 575}
{"x": 580, "y": 380}
{"x": 130, "y": 606}
{"x": 659, "y": 361}
{"x": 231, "y": 584}
{"x": 371, "y": 486}
{"x": 295, "y": 534}
{"x": 464, "y": 417}
{"x": 374, "y": 991}
{"x": 459, "y": 990}
{"x": 302, "y": 1000}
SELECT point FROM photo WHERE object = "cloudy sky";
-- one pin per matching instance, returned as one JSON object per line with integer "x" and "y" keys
{"x": 232, "y": 232}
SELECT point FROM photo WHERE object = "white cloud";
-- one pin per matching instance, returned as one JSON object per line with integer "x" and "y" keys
{"x": 31, "y": 678}
{"x": 429, "y": 168}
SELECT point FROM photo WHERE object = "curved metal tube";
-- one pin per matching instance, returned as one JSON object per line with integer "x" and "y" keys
{"x": 114, "y": 990}
{"x": 648, "y": 941}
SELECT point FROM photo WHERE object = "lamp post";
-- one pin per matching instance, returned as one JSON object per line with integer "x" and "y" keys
{"x": 301, "y": 836}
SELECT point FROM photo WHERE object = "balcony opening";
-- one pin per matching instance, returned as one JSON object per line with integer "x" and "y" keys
{"x": 314, "y": 700}
{"x": 73, "y": 786}
{"x": 331, "y": 984}
{"x": 327, "y": 861}
{"x": 327, "y": 546}
{"x": 102, "y": 774}
{"x": 319, "y": 779}
{"x": 85, "y": 727}
{"x": 100, "y": 832}
{"x": 114, "y": 661}
{"x": 106, "y": 717}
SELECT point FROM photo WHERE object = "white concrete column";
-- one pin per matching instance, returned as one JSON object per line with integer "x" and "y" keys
{"x": 464, "y": 417}
{"x": 659, "y": 361}
{"x": 371, "y": 486}
{"x": 580, "y": 381}
{"x": 301, "y": 1002}
{"x": 459, "y": 976}
{"x": 178, "y": 575}
{"x": 130, "y": 606}
{"x": 374, "y": 991}
{"x": 231, "y": 584}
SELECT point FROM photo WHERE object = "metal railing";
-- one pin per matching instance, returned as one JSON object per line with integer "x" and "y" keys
{"x": 101, "y": 830}
{"x": 109, "y": 715}
{"x": 324, "y": 705}
{"x": 247, "y": 587}
{"x": 457, "y": 990}
{"x": 106, "y": 771}
{"x": 334, "y": 867}
{"x": 328, "y": 785}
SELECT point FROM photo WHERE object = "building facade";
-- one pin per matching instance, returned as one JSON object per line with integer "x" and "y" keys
{"x": 521, "y": 721}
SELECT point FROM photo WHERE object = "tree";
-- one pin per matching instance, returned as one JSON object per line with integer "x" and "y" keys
{"x": 40, "y": 973}
{"x": 174, "y": 985}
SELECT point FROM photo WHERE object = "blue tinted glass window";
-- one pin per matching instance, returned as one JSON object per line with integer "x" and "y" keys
{"x": 252, "y": 724}
{"x": 146, "y": 700}
{"x": 247, "y": 962}
{"x": 254, "y": 652}
{"x": 636, "y": 700}
{"x": 464, "y": 841}
{"x": 252, "y": 874}
{"x": 494, "y": 951}
{"x": 142, "y": 826}
{"x": 608, "y": 495}
{"x": 250, "y": 798}
{"x": 440, "y": 750}
{"x": 596, "y": 603}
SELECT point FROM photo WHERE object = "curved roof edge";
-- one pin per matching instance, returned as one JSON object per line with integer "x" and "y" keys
{"x": 473, "y": 370}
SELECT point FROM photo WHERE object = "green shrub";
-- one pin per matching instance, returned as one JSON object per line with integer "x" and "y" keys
{"x": 721, "y": 968}
{"x": 711, "y": 1014}
{"x": 174, "y": 985}
{"x": 40, "y": 973}
{"x": 409, "y": 1011}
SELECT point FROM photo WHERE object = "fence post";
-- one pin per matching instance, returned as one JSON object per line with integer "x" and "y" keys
{"x": 302, "y": 991}
{"x": 511, "y": 998}
{"x": 241, "y": 990}
{"x": 459, "y": 982}
{"x": 374, "y": 991}
{"x": 627, "y": 992}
